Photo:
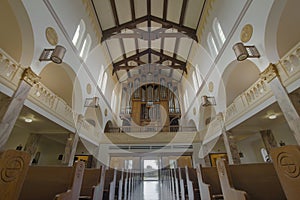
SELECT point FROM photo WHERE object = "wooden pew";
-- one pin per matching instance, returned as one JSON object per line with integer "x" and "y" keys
{"x": 192, "y": 175}
{"x": 228, "y": 190}
{"x": 13, "y": 168}
{"x": 91, "y": 179}
{"x": 109, "y": 177}
{"x": 209, "y": 184}
{"x": 286, "y": 161}
{"x": 61, "y": 183}
{"x": 249, "y": 181}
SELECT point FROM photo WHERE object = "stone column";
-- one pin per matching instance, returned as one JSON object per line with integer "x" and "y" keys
{"x": 70, "y": 149}
{"x": 231, "y": 148}
{"x": 32, "y": 144}
{"x": 10, "y": 112}
{"x": 268, "y": 139}
{"x": 290, "y": 113}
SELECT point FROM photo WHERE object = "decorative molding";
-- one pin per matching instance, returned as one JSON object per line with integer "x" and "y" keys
{"x": 30, "y": 77}
{"x": 246, "y": 33}
{"x": 270, "y": 73}
{"x": 51, "y": 36}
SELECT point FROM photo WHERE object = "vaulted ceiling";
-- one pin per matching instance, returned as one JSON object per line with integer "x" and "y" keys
{"x": 156, "y": 35}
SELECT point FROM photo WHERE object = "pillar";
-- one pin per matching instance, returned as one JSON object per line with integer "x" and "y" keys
{"x": 32, "y": 144}
{"x": 268, "y": 139}
{"x": 70, "y": 149}
{"x": 231, "y": 148}
{"x": 10, "y": 112}
{"x": 290, "y": 113}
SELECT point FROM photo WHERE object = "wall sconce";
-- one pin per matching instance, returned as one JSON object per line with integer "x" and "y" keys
{"x": 243, "y": 52}
{"x": 92, "y": 102}
{"x": 55, "y": 55}
{"x": 208, "y": 101}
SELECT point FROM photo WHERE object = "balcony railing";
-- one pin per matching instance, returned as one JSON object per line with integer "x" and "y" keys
{"x": 136, "y": 129}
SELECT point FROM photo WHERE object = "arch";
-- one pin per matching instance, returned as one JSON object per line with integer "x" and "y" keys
{"x": 206, "y": 114}
{"x": 236, "y": 78}
{"x": 108, "y": 127}
{"x": 192, "y": 124}
{"x": 94, "y": 117}
{"x": 64, "y": 77}
{"x": 271, "y": 28}
{"x": 9, "y": 21}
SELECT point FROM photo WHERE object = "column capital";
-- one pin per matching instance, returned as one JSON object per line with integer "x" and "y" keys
{"x": 269, "y": 73}
{"x": 30, "y": 77}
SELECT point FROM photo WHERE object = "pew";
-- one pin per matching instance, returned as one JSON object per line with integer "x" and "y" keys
{"x": 91, "y": 180}
{"x": 209, "y": 184}
{"x": 13, "y": 167}
{"x": 192, "y": 176}
{"x": 286, "y": 161}
{"x": 60, "y": 183}
{"x": 249, "y": 181}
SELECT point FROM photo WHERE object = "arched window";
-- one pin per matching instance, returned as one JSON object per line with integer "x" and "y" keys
{"x": 218, "y": 32}
{"x": 186, "y": 100}
{"x": 198, "y": 75}
{"x": 104, "y": 82}
{"x": 86, "y": 47}
{"x": 196, "y": 86}
{"x": 100, "y": 76}
{"x": 77, "y": 38}
{"x": 212, "y": 45}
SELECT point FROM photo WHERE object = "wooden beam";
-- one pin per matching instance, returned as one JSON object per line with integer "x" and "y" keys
{"x": 133, "y": 57}
{"x": 183, "y": 10}
{"x": 168, "y": 24}
{"x": 168, "y": 57}
{"x": 132, "y": 10}
{"x": 130, "y": 25}
{"x": 165, "y": 10}
{"x": 114, "y": 9}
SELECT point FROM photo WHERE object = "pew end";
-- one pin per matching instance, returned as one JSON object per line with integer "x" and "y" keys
{"x": 13, "y": 166}
{"x": 286, "y": 162}
{"x": 228, "y": 190}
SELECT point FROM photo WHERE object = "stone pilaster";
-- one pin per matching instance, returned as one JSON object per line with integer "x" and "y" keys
{"x": 231, "y": 148}
{"x": 268, "y": 139}
{"x": 32, "y": 144}
{"x": 284, "y": 102}
{"x": 70, "y": 149}
{"x": 10, "y": 112}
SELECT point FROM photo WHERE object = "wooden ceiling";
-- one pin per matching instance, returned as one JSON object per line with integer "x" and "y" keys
{"x": 142, "y": 32}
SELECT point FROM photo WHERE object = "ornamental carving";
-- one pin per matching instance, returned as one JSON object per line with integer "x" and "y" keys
{"x": 30, "y": 77}
{"x": 288, "y": 165}
{"x": 246, "y": 33}
{"x": 270, "y": 73}
{"x": 51, "y": 36}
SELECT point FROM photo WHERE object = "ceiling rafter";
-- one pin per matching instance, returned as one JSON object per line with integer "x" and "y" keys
{"x": 182, "y": 14}
{"x": 165, "y": 23}
{"x": 176, "y": 64}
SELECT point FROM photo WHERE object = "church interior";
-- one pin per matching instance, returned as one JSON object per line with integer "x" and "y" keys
{"x": 149, "y": 99}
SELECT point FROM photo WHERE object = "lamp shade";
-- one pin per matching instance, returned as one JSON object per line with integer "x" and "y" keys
{"x": 240, "y": 51}
{"x": 58, "y": 54}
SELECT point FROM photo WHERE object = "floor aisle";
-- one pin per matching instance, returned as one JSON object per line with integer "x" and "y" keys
{"x": 151, "y": 190}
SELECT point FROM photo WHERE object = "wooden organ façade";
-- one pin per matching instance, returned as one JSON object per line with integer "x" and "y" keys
{"x": 151, "y": 105}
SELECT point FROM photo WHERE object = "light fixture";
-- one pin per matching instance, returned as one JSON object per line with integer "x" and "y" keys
{"x": 272, "y": 116}
{"x": 208, "y": 101}
{"x": 92, "y": 102}
{"x": 243, "y": 52}
{"x": 55, "y": 55}
{"x": 28, "y": 120}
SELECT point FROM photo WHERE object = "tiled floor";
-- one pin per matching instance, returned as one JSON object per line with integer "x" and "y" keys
{"x": 151, "y": 190}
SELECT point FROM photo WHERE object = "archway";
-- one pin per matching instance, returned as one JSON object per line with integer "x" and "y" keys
{"x": 282, "y": 32}
{"x": 108, "y": 127}
{"x": 64, "y": 77}
{"x": 237, "y": 77}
